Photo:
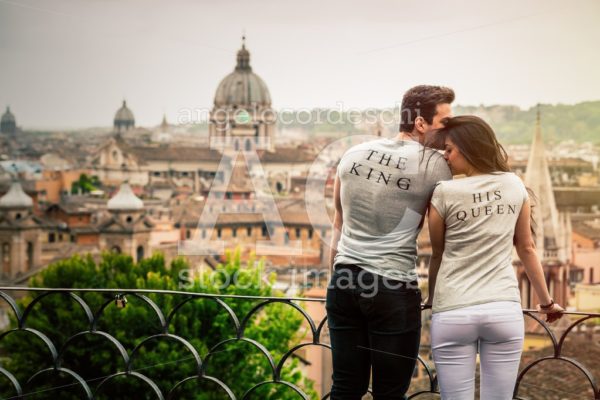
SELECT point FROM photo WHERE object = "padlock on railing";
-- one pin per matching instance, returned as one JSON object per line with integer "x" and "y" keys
{"x": 120, "y": 301}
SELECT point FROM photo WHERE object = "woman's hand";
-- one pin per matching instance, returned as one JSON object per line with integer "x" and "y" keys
{"x": 428, "y": 302}
{"x": 553, "y": 313}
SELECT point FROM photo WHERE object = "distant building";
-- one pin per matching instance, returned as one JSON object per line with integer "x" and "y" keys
{"x": 20, "y": 234}
{"x": 128, "y": 228}
{"x": 32, "y": 237}
{"x": 242, "y": 116}
{"x": 124, "y": 120}
{"x": 8, "y": 123}
{"x": 241, "y": 120}
{"x": 553, "y": 231}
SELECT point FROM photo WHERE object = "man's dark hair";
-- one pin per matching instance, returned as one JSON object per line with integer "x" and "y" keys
{"x": 422, "y": 101}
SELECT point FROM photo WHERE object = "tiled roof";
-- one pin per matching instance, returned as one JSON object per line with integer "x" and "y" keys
{"x": 587, "y": 229}
{"x": 577, "y": 196}
{"x": 287, "y": 155}
{"x": 292, "y": 212}
{"x": 558, "y": 380}
{"x": 171, "y": 153}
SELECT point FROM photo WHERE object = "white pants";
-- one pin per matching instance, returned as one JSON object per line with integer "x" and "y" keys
{"x": 497, "y": 329}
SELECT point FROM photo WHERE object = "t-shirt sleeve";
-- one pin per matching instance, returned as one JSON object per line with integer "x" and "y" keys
{"x": 441, "y": 171}
{"x": 437, "y": 200}
{"x": 524, "y": 190}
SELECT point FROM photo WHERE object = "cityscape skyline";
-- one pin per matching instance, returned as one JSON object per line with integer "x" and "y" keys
{"x": 76, "y": 62}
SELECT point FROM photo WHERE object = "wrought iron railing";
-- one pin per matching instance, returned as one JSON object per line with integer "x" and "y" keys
{"x": 90, "y": 389}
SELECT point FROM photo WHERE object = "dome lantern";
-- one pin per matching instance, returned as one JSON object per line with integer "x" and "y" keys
{"x": 242, "y": 88}
{"x": 124, "y": 119}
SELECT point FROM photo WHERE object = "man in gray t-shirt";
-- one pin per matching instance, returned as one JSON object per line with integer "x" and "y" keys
{"x": 382, "y": 190}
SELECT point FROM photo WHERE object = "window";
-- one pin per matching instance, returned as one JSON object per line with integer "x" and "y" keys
{"x": 140, "y": 253}
{"x": 264, "y": 231}
{"x": 286, "y": 238}
{"x": 310, "y": 233}
{"x": 29, "y": 256}
{"x": 51, "y": 237}
{"x": 128, "y": 219}
{"x": 60, "y": 237}
{"x": 188, "y": 234}
{"x": 203, "y": 233}
{"x": 234, "y": 232}
{"x": 298, "y": 233}
{"x": 249, "y": 231}
{"x": 219, "y": 233}
{"x": 6, "y": 258}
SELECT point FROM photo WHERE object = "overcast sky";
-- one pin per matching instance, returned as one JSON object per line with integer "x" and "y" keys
{"x": 69, "y": 63}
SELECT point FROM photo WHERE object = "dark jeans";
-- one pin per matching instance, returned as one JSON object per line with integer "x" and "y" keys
{"x": 374, "y": 322}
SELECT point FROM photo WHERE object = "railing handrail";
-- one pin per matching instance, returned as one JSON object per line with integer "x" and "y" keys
{"x": 216, "y": 295}
{"x": 316, "y": 335}
{"x": 158, "y": 291}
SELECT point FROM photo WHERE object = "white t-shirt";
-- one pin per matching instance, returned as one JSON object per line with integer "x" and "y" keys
{"x": 385, "y": 190}
{"x": 480, "y": 213}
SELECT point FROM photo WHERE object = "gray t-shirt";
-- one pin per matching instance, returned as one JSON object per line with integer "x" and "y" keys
{"x": 480, "y": 213}
{"x": 385, "y": 190}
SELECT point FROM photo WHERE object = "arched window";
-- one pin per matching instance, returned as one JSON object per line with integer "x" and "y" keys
{"x": 236, "y": 145}
{"x": 6, "y": 258}
{"x": 116, "y": 249}
{"x": 248, "y": 145}
{"x": 29, "y": 256}
{"x": 140, "y": 253}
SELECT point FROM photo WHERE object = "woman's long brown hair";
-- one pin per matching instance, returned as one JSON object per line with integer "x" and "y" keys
{"x": 478, "y": 144}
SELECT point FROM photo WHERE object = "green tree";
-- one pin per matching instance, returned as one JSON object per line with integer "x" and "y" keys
{"x": 164, "y": 360}
{"x": 85, "y": 184}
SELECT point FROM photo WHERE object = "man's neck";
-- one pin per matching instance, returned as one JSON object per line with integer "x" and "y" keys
{"x": 408, "y": 136}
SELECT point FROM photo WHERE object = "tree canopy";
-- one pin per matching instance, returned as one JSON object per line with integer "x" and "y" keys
{"x": 165, "y": 360}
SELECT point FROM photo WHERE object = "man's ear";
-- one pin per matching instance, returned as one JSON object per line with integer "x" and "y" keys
{"x": 420, "y": 125}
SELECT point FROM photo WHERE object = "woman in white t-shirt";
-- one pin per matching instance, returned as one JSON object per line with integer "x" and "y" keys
{"x": 473, "y": 223}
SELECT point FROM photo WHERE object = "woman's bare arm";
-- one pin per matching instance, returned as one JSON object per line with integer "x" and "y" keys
{"x": 527, "y": 253}
{"x": 437, "y": 233}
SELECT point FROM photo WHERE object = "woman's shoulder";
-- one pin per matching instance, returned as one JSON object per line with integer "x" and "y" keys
{"x": 511, "y": 177}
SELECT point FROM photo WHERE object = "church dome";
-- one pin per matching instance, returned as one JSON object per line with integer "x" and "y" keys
{"x": 8, "y": 122}
{"x": 125, "y": 200}
{"x": 124, "y": 117}
{"x": 242, "y": 88}
{"x": 16, "y": 198}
